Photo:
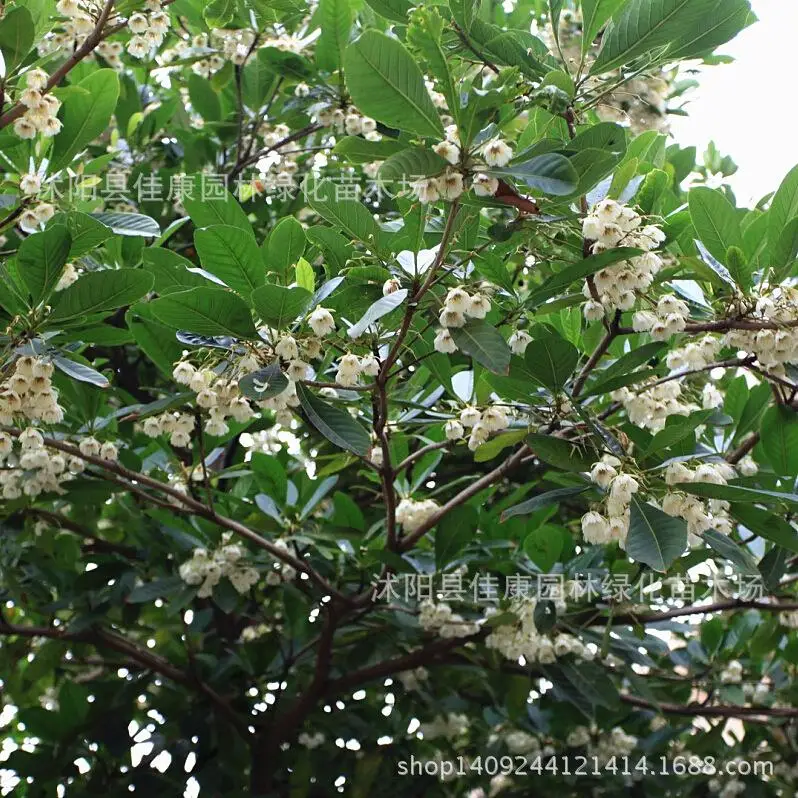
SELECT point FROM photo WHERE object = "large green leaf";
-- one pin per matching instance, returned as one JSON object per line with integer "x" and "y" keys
{"x": 85, "y": 114}
{"x": 170, "y": 271}
{"x": 715, "y": 221}
{"x": 413, "y": 162}
{"x": 395, "y": 10}
{"x": 336, "y": 424}
{"x": 780, "y": 440}
{"x": 643, "y": 26}
{"x": 103, "y": 290}
{"x": 128, "y": 224}
{"x": 542, "y": 500}
{"x": 209, "y": 203}
{"x": 595, "y": 14}
{"x": 783, "y": 206}
{"x": 278, "y": 306}
{"x": 205, "y": 311}
{"x": 204, "y": 99}
{"x": 285, "y": 246}
{"x": 485, "y": 344}
{"x": 41, "y": 258}
{"x": 655, "y": 538}
{"x": 232, "y": 255}
{"x": 85, "y": 231}
{"x": 543, "y": 545}
{"x": 453, "y": 533}
{"x": 738, "y": 493}
{"x": 386, "y": 84}
{"x": 16, "y": 38}
{"x": 335, "y": 20}
{"x": 348, "y": 215}
{"x": 551, "y": 360}
{"x": 719, "y": 26}
{"x": 356, "y": 149}
{"x": 737, "y": 555}
{"x": 561, "y": 453}
{"x": 550, "y": 173}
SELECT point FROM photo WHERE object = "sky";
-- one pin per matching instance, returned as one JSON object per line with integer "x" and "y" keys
{"x": 748, "y": 107}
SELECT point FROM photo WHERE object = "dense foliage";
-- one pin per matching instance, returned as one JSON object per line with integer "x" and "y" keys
{"x": 379, "y": 382}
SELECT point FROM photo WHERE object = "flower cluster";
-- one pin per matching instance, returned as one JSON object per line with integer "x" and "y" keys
{"x": 458, "y": 307}
{"x": 30, "y": 468}
{"x": 694, "y": 355}
{"x": 411, "y": 680}
{"x": 669, "y": 318}
{"x": 614, "y": 525}
{"x": 699, "y": 514}
{"x": 442, "y": 619}
{"x": 41, "y": 109}
{"x": 650, "y": 407}
{"x": 411, "y": 514}
{"x": 32, "y": 219}
{"x": 29, "y": 393}
{"x": 608, "y": 745}
{"x": 350, "y": 367}
{"x": 451, "y": 727}
{"x": 609, "y": 225}
{"x": 773, "y": 347}
{"x": 282, "y": 572}
{"x": 178, "y": 426}
{"x": 219, "y": 396}
{"x": 148, "y": 29}
{"x": 348, "y": 120}
{"x": 522, "y": 639}
{"x": 481, "y": 424}
{"x": 311, "y": 741}
{"x": 207, "y": 568}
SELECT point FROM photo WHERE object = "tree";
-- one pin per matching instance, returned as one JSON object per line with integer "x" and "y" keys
{"x": 388, "y": 406}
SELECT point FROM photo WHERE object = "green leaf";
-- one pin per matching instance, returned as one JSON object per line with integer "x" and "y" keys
{"x": 654, "y": 538}
{"x": 551, "y": 360}
{"x": 205, "y": 311}
{"x": 232, "y": 255}
{"x": 129, "y": 224}
{"x": 542, "y": 500}
{"x": 767, "y": 525}
{"x": 715, "y": 220}
{"x": 81, "y": 372}
{"x": 780, "y": 440}
{"x": 485, "y": 344}
{"x": 719, "y": 26}
{"x": 544, "y": 545}
{"x": 286, "y": 245}
{"x": 595, "y": 14}
{"x": 643, "y": 26}
{"x": 561, "y": 453}
{"x": 738, "y": 556}
{"x": 85, "y": 115}
{"x": 453, "y": 533}
{"x": 278, "y": 306}
{"x": 624, "y": 365}
{"x": 219, "y": 12}
{"x": 264, "y": 383}
{"x": 103, "y": 290}
{"x": 156, "y": 340}
{"x": 378, "y": 309}
{"x": 170, "y": 271}
{"x": 395, "y": 10}
{"x": 335, "y": 19}
{"x": 356, "y": 149}
{"x": 413, "y": 162}
{"x": 17, "y": 32}
{"x": 737, "y": 493}
{"x": 550, "y": 173}
{"x": 783, "y": 207}
{"x": 386, "y": 84}
{"x": 159, "y": 588}
{"x": 497, "y": 444}
{"x": 305, "y": 276}
{"x": 334, "y": 423}
{"x": 350, "y": 216}
{"x": 204, "y": 99}
{"x": 678, "y": 430}
{"x": 41, "y": 258}
{"x": 208, "y": 204}
{"x": 85, "y": 231}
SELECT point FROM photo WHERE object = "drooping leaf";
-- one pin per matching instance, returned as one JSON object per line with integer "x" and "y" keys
{"x": 206, "y": 311}
{"x": 453, "y": 533}
{"x": 286, "y": 245}
{"x": 738, "y": 556}
{"x": 655, "y": 538}
{"x": 715, "y": 221}
{"x": 542, "y": 500}
{"x": 780, "y": 439}
{"x": 348, "y": 215}
{"x": 380, "y": 308}
{"x": 386, "y": 84}
{"x": 551, "y": 360}
{"x": 484, "y": 343}
{"x": 336, "y": 424}
{"x": 231, "y": 254}
{"x": 550, "y": 173}
{"x": 97, "y": 291}
{"x": 279, "y": 306}
{"x": 41, "y": 258}
{"x": 335, "y": 20}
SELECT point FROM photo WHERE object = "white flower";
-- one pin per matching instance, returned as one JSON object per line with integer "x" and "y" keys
{"x": 748, "y": 466}
{"x": 448, "y": 151}
{"x": 88, "y": 446}
{"x": 286, "y": 348}
{"x": 454, "y": 430}
{"x": 108, "y": 451}
{"x": 495, "y": 419}
{"x": 593, "y": 311}
{"x": 485, "y": 185}
{"x": 623, "y": 487}
{"x": 30, "y": 183}
{"x": 370, "y": 366}
{"x": 416, "y": 264}
{"x": 458, "y": 300}
{"x": 25, "y": 129}
{"x": 36, "y": 79}
{"x": 643, "y": 321}
{"x": 602, "y": 474}
{"x": 595, "y": 528}
{"x": 183, "y": 373}
{"x": 451, "y": 318}
{"x": 450, "y": 185}
{"x": 444, "y": 342}
{"x": 426, "y": 190}
{"x": 479, "y": 306}
{"x": 519, "y": 341}
{"x": 470, "y": 416}
{"x": 711, "y": 397}
{"x": 297, "y": 370}
{"x": 390, "y": 286}
{"x": 497, "y": 153}
{"x": 676, "y": 473}
{"x": 479, "y": 434}
{"x": 321, "y": 321}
